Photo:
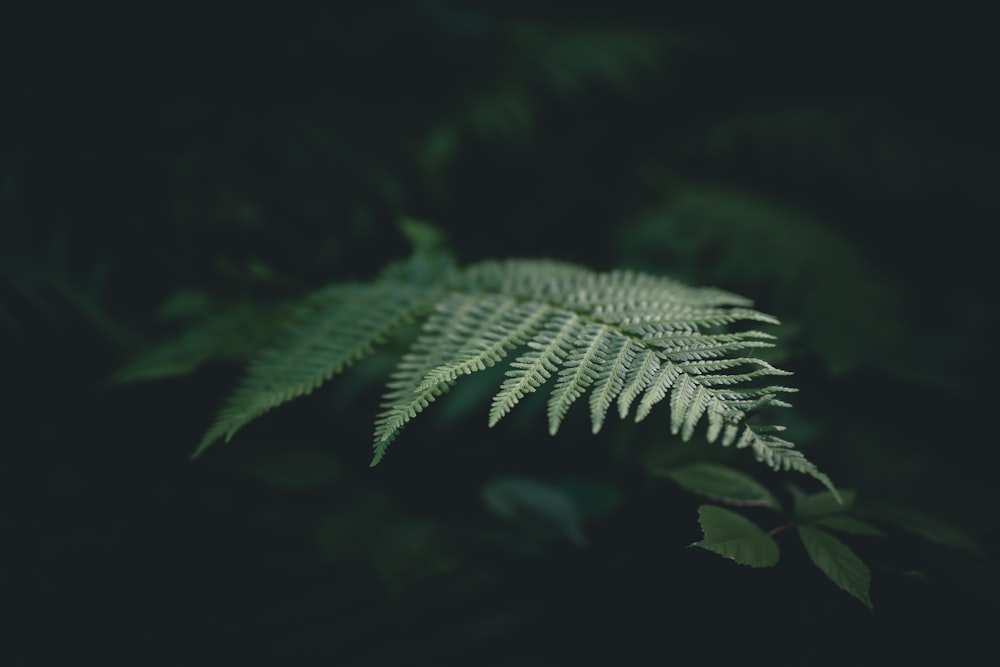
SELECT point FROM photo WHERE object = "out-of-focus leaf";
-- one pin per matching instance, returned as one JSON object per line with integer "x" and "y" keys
{"x": 849, "y": 311}
{"x": 850, "y": 524}
{"x": 823, "y": 503}
{"x": 536, "y": 506}
{"x": 924, "y": 526}
{"x": 735, "y": 537}
{"x": 423, "y": 236}
{"x": 229, "y": 333}
{"x": 720, "y": 483}
{"x": 593, "y": 499}
{"x": 412, "y": 551}
{"x": 863, "y": 148}
{"x": 290, "y": 469}
{"x": 570, "y": 61}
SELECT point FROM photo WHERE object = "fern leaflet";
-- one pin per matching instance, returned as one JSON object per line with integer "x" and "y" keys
{"x": 531, "y": 370}
{"x": 581, "y": 367}
{"x": 408, "y": 394}
{"x": 617, "y": 360}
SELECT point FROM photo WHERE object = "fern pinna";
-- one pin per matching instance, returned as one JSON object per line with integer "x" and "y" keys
{"x": 627, "y": 338}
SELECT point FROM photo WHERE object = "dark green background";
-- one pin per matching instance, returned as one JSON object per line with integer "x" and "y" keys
{"x": 840, "y": 169}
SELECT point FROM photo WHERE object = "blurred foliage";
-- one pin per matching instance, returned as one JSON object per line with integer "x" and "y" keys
{"x": 195, "y": 173}
{"x": 47, "y": 284}
{"x": 842, "y": 309}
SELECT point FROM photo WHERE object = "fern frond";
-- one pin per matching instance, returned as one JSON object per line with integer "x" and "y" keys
{"x": 332, "y": 329}
{"x": 622, "y": 336}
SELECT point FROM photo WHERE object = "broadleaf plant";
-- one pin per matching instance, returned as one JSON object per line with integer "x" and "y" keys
{"x": 737, "y": 538}
{"x": 625, "y": 337}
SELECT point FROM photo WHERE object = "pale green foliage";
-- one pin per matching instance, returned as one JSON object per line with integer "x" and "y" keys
{"x": 532, "y": 369}
{"x": 622, "y": 336}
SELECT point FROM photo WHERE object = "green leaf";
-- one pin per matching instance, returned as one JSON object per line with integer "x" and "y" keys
{"x": 422, "y": 236}
{"x": 720, "y": 483}
{"x": 545, "y": 509}
{"x": 228, "y": 331}
{"x": 926, "y": 527}
{"x": 735, "y": 537}
{"x": 823, "y": 503}
{"x": 290, "y": 470}
{"x": 837, "y": 562}
{"x": 850, "y": 524}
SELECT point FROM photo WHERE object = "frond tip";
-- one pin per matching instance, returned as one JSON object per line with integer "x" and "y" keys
{"x": 626, "y": 339}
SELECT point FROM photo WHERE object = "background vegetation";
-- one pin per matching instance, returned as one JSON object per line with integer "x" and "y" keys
{"x": 186, "y": 175}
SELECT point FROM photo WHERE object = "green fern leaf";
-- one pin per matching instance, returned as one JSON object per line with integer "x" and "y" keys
{"x": 622, "y": 336}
